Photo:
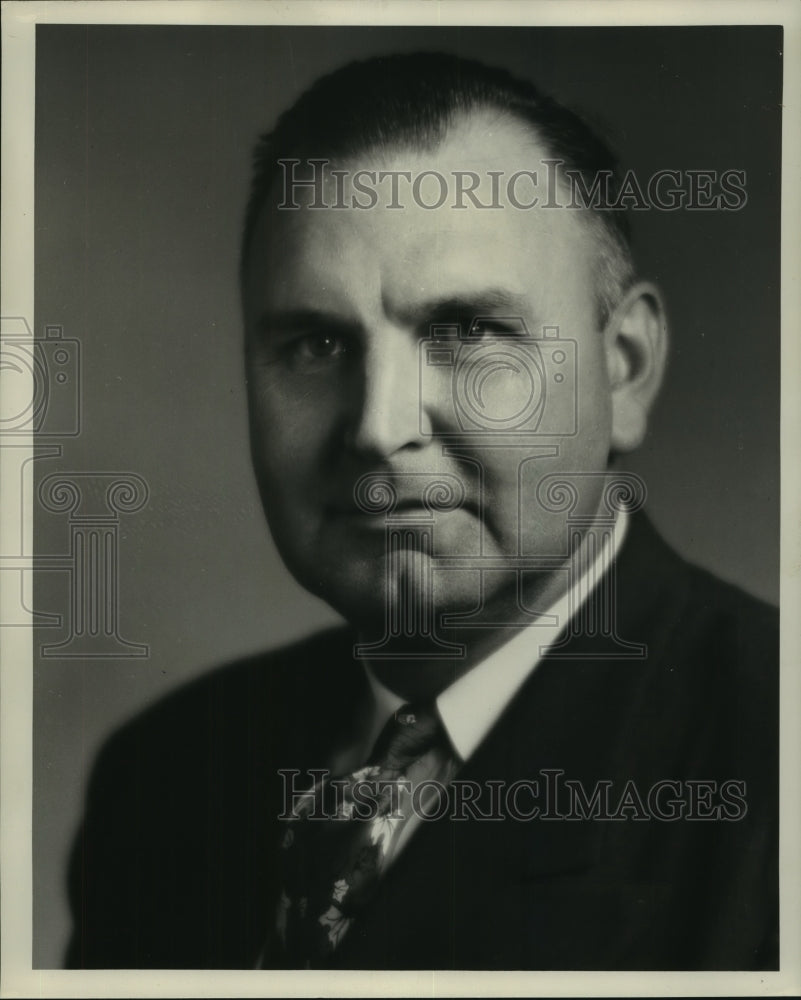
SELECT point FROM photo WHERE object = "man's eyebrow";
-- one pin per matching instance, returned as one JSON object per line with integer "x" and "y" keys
{"x": 468, "y": 306}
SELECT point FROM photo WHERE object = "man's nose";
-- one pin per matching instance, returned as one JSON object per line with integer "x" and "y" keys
{"x": 388, "y": 414}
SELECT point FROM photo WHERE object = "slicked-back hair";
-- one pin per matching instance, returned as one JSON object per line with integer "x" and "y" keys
{"x": 411, "y": 101}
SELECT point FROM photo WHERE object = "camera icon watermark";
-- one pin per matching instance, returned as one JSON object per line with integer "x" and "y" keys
{"x": 498, "y": 379}
{"x": 40, "y": 403}
{"x": 41, "y": 381}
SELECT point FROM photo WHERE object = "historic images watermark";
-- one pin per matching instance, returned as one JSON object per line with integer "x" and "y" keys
{"x": 550, "y": 796}
{"x": 553, "y": 186}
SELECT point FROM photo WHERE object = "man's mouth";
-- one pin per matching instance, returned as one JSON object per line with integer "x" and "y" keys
{"x": 403, "y": 509}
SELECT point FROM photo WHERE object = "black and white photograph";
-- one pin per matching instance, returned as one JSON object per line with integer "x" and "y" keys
{"x": 397, "y": 556}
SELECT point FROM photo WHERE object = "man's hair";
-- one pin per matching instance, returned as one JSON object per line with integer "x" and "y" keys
{"x": 412, "y": 100}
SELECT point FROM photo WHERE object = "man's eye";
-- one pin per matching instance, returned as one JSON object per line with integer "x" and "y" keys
{"x": 314, "y": 349}
{"x": 321, "y": 345}
{"x": 497, "y": 328}
{"x": 478, "y": 329}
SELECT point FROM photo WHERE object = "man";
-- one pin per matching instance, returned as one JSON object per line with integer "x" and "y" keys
{"x": 447, "y": 350}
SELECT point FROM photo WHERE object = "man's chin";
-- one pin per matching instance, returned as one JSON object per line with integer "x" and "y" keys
{"x": 403, "y": 595}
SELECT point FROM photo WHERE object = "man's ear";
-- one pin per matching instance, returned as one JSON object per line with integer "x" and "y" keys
{"x": 635, "y": 340}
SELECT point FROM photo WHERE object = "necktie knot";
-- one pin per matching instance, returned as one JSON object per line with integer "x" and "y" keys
{"x": 409, "y": 733}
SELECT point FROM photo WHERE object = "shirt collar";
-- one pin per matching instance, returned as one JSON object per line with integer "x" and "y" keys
{"x": 472, "y": 704}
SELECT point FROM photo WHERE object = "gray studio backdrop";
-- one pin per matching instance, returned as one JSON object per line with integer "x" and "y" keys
{"x": 143, "y": 140}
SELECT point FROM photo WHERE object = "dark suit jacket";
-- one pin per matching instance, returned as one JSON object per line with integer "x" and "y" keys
{"x": 175, "y": 865}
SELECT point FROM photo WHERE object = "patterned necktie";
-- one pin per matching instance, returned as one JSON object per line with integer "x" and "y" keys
{"x": 340, "y": 837}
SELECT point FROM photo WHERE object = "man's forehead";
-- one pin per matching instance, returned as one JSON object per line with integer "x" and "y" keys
{"x": 375, "y": 225}
{"x": 412, "y": 256}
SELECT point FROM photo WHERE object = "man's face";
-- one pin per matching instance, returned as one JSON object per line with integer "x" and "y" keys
{"x": 339, "y": 306}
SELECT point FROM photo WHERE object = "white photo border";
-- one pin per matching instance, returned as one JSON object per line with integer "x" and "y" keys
{"x": 19, "y": 979}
